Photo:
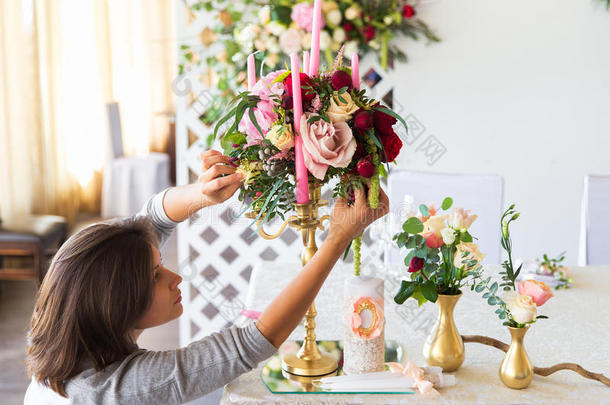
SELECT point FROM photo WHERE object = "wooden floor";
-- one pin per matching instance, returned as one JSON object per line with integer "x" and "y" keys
{"x": 16, "y": 305}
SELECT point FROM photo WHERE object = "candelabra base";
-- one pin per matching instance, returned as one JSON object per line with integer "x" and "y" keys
{"x": 309, "y": 368}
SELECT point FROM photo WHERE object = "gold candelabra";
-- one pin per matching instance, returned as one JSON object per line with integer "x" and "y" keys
{"x": 308, "y": 361}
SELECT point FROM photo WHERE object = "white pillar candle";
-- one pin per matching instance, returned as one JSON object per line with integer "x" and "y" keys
{"x": 364, "y": 346}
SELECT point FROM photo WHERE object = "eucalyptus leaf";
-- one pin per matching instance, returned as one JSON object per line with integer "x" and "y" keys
{"x": 413, "y": 225}
{"x": 447, "y": 203}
{"x": 425, "y": 212}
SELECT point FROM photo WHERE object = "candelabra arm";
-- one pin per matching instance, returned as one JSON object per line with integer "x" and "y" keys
{"x": 265, "y": 235}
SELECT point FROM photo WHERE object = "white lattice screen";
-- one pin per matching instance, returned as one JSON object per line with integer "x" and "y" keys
{"x": 216, "y": 251}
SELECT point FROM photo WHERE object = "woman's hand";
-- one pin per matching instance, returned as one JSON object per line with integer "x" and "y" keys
{"x": 349, "y": 221}
{"x": 218, "y": 180}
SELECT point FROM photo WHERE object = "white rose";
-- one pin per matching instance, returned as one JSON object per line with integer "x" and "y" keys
{"x": 374, "y": 44}
{"x": 339, "y": 35}
{"x": 335, "y": 46}
{"x": 272, "y": 45}
{"x": 276, "y": 28}
{"x": 388, "y": 20}
{"x": 272, "y": 60}
{"x": 325, "y": 40}
{"x": 306, "y": 40}
{"x": 264, "y": 14}
{"x": 352, "y": 12}
{"x": 523, "y": 309}
{"x": 333, "y": 17}
{"x": 260, "y": 45}
{"x": 448, "y": 236}
{"x": 351, "y": 47}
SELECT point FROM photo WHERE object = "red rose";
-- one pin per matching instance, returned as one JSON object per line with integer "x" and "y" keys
{"x": 305, "y": 81}
{"x": 408, "y": 11}
{"x": 416, "y": 264}
{"x": 347, "y": 26}
{"x": 383, "y": 122}
{"x": 360, "y": 152}
{"x": 369, "y": 32}
{"x": 287, "y": 102}
{"x": 391, "y": 146}
{"x": 341, "y": 79}
{"x": 365, "y": 168}
{"x": 363, "y": 120}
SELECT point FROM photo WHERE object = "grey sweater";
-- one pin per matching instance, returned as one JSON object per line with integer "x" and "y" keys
{"x": 168, "y": 377}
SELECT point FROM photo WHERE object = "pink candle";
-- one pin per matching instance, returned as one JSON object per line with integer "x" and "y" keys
{"x": 355, "y": 72}
{"x": 315, "y": 38}
{"x": 251, "y": 71}
{"x": 306, "y": 62}
{"x": 297, "y": 108}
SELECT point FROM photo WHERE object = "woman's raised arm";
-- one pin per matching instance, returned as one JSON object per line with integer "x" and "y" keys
{"x": 347, "y": 222}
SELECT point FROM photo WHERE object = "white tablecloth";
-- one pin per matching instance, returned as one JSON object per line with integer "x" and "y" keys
{"x": 578, "y": 331}
{"x": 129, "y": 181}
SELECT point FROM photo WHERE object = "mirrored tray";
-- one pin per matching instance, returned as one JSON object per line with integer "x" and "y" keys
{"x": 280, "y": 382}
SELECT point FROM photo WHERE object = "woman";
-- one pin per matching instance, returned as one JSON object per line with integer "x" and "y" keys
{"x": 107, "y": 283}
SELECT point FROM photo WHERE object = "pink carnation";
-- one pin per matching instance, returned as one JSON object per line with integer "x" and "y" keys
{"x": 302, "y": 14}
{"x": 265, "y": 89}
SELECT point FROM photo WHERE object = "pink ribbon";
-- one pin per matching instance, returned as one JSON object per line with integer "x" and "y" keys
{"x": 248, "y": 313}
{"x": 411, "y": 370}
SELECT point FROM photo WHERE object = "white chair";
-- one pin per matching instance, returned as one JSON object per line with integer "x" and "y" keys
{"x": 482, "y": 194}
{"x": 129, "y": 181}
{"x": 595, "y": 220}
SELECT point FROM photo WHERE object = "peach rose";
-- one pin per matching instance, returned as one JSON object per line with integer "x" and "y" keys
{"x": 326, "y": 144}
{"x": 539, "y": 291}
{"x": 461, "y": 219}
{"x": 340, "y": 111}
{"x": 523, "y": 309}
{"x": 433, "y": 240}
{"x": 473, "y": 253}
{"x": 281, "y": 136}
{"x": 435, "y": 224}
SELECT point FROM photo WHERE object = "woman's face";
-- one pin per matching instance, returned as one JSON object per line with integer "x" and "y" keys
{"x": 167, "y": 300}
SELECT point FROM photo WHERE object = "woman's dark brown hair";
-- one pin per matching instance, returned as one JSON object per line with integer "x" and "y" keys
{"x": 98, "y": 285}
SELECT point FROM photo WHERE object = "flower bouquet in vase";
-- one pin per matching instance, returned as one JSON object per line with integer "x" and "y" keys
{"x": 517, "y": 307}
{"x": 442, "y": 259}
{"x": 296, "y": 130}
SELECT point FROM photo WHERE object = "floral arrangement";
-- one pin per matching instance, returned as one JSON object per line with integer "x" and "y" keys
{"x": 554, "y": 268}
{"x": 279, "y": 27}
{"x": 519, "y": 301}
{"x": 442, "y": 256}
{"x": 345, "y": 135}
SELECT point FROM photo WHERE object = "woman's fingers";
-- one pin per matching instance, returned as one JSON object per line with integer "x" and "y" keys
{"x": 215, "y": 171}
{"x": 210, "y": 158}
{"x": 221, "y": 182}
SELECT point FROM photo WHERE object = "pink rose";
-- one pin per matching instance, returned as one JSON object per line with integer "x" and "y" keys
{"x": 326, "y": 144}
{"x": 290, "y": 41}
{"x": 265, "y": 89}
{"x": 539, "y": 291}
{"x": 302, "y": 14}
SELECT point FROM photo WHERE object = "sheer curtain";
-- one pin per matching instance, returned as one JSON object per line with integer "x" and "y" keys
{"x": 60, "y": 62}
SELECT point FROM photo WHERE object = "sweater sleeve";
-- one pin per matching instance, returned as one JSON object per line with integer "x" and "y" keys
{"x": 162, "y": 224}
{"x": 175, "y": 376}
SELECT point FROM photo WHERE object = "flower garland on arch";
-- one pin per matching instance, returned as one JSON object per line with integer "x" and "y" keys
{"x": 276, "y": 28}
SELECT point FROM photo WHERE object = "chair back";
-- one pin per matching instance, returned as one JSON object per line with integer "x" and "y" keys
{"x": 482, "y": 194}
{"x": 114, "y": 129}
{"x": 595, "y": 220}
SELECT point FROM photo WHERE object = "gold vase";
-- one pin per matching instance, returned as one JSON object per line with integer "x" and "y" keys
{"x": 516, "y": 370}
{"x": 444, "y": 346}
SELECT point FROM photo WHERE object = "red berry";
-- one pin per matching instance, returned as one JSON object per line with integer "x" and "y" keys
{"x": 365, "y": 169}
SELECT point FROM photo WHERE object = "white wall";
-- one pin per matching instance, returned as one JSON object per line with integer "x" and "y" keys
{"x": 522, "y": 89}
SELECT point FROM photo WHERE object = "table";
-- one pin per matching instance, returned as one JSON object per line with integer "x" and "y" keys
{"x": 578, "y": 331}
